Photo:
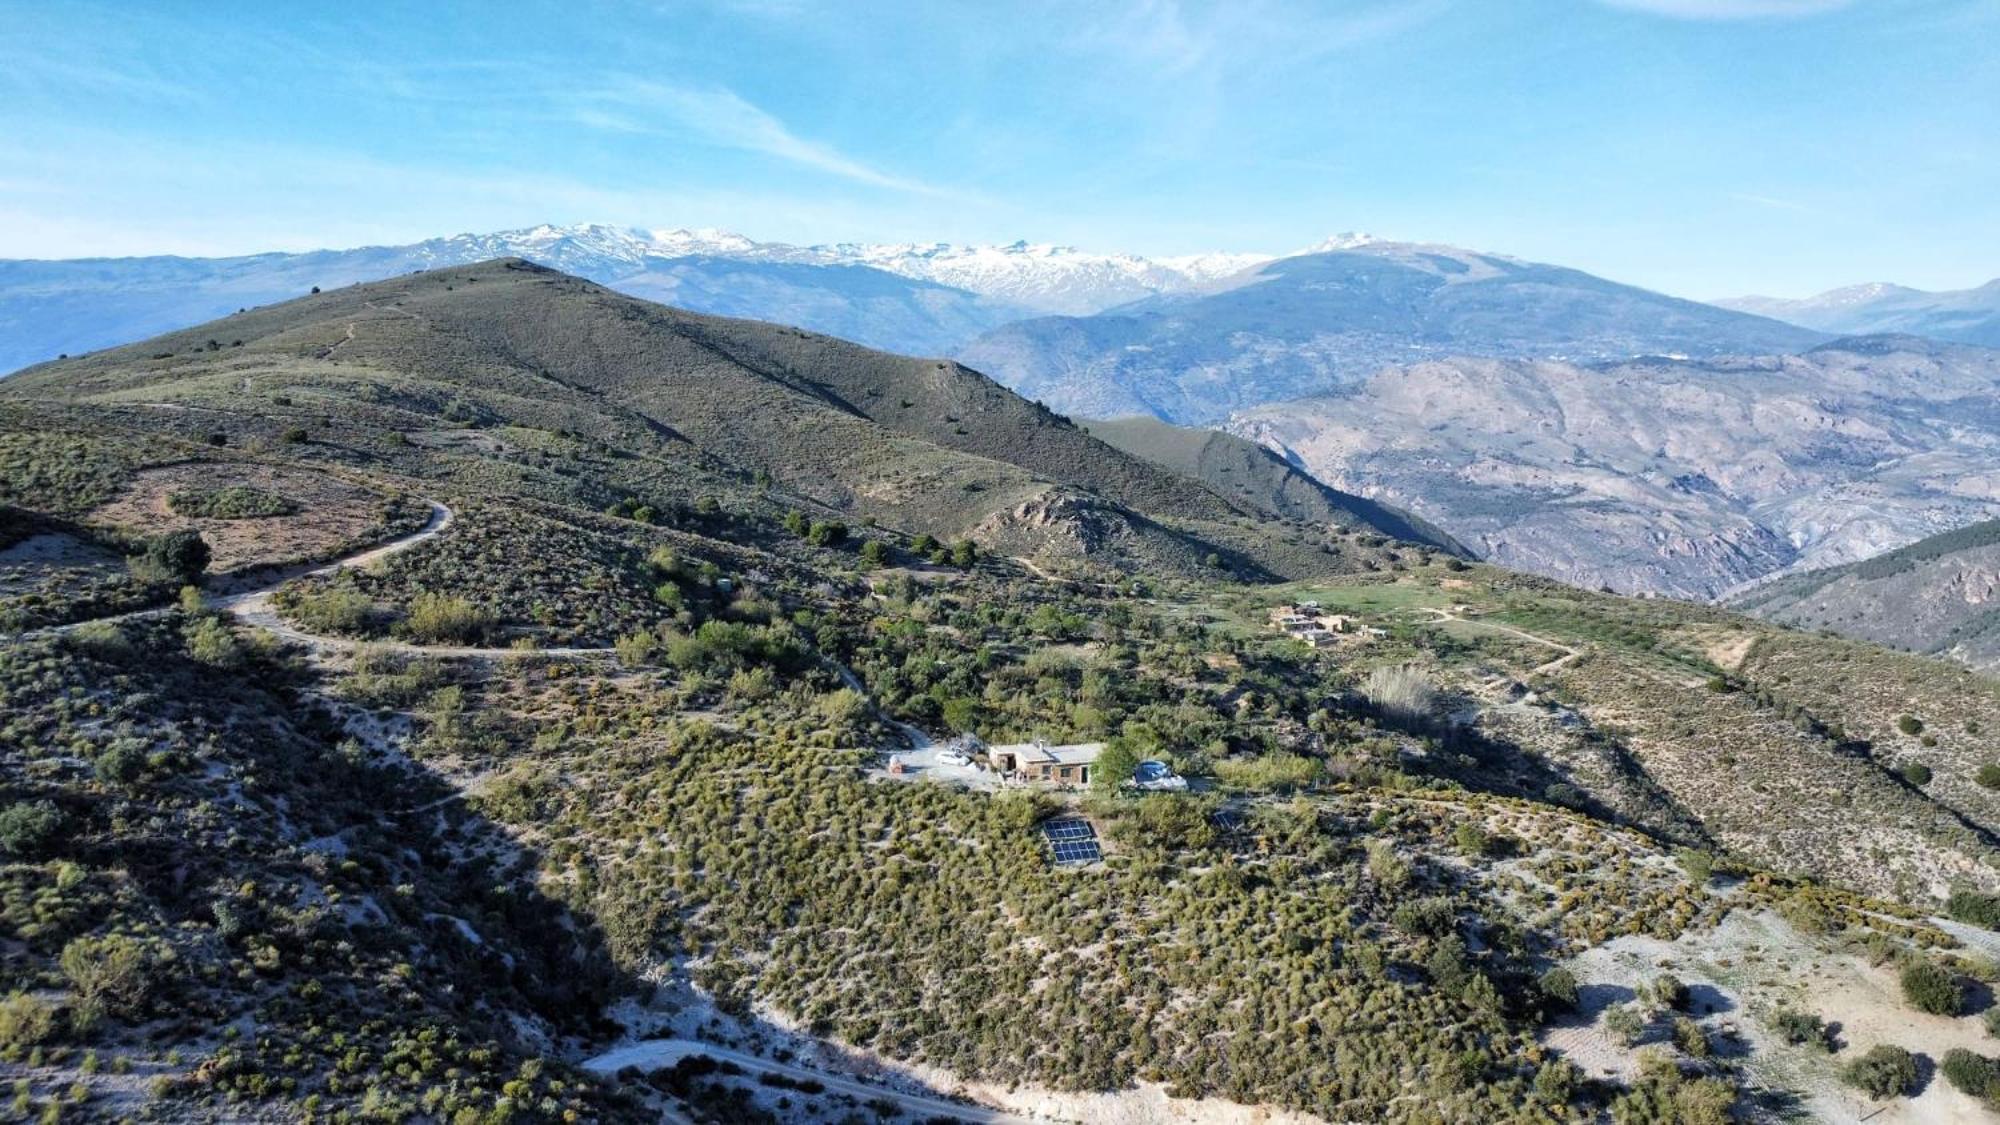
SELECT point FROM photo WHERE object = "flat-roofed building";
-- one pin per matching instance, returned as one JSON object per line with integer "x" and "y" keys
{"x": 1039, "y": 763}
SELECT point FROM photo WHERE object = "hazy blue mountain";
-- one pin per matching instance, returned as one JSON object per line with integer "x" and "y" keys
{"x": 1967, "y": 316}
{"x": 1938, "y": 595}
{"x": 50, "y": 308}
{"x": 1315, "y": 322}
{"x": 1683, "y": 477}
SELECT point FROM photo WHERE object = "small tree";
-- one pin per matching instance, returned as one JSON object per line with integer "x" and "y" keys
{"x": 1884, "y": 1072}
{"x": 1115, "y": 766}
{"x": 178, "y": 557}
{"x": 826, "y": 533}
{"x": 1559, "y": 988}
{"x": 875, "y": 553}
{"x": 964, "y": 553}
{"x": 27, "y": 827}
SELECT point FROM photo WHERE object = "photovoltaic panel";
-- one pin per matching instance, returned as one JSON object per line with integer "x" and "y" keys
{"x": 1076, "y": 851}
{"x": 1069, "y": 829}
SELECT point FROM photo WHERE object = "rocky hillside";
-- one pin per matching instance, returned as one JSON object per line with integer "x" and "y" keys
{"x": 925, "y": 445}
{"x": 1938, "y": 595}
{"x": 482, "y": 697}
{"x": 1256, "y": 476}
{"x": 1315, "y": 323}
{"x": 1682, "y": 477}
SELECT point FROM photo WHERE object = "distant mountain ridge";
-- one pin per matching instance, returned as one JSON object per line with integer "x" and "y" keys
{"x": 921, "y": 299}
{"x": 51, "y": 308}
{"x": 1684, "y": 477}
{"x": 1320, "y": 321}
{"x": 1966, "y": 316}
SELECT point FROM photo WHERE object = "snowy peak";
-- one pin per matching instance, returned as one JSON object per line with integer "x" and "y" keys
{"x": 1965, "y": 316}
{"x": 1037, "y": 276}
{"x": 1346, "y": 240}
{"x": 1046, "y": 277}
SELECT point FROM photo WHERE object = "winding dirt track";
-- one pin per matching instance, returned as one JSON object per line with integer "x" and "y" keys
{"x": 252, "y": 606}
{"x": 1569, "y": 652}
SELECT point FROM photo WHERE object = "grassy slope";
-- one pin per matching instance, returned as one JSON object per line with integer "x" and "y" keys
{"x": 921, "y": 444}
{"x": 1258, "y": 478}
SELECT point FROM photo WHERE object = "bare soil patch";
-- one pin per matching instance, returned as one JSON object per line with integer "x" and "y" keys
{"x": 332, "y": 515}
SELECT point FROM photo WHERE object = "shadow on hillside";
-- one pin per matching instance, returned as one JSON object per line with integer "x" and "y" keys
{"x": 1708, "y": 1000}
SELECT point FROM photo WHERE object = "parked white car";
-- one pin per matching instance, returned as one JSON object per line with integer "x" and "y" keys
{"x": 953, "y": 758}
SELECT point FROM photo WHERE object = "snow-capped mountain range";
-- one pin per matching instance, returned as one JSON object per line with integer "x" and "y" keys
{"x": 1035, "y": 276}
{"x": 918, "y": 298}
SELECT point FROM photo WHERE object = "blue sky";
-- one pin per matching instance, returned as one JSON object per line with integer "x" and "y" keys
{"x": 1703, "y": 147}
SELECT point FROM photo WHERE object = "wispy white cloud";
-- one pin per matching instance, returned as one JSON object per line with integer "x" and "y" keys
{"x": 1175, "y": 38}
{"x": 1773, "y": 202}
{"x": 719, "y": 116}
{"x": 1729, "y": 9}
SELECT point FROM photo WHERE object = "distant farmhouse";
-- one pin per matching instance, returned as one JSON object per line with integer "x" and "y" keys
{"x": 1305, "y": 621}
{"x": 1039, "y": 763}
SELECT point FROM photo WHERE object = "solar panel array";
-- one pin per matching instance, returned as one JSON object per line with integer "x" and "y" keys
{"x": 1072, "y": 841}
{"x": 1076, "y": 851}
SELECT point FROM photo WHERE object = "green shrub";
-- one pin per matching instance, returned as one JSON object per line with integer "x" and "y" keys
{"x": 109, "y": 975}
{"x": 1668, "y": 991}
{"x": 440, "y": 618}
{"x": 1930, "y": 987}
{"x": 1624, "y": 1025}
{"x": 1917, "y": 774}
{"x": 1800, "y": 1028}
{"x": 210, "y": 642}
{"x": 1690, "y": 1038}
{"x": 1699, "y": 865}
{"x": 1975, "y": 908}
{"x": 1909, "y": 724}
{"x": 26, "y": 828}
{"x": 1988, "y": 776}
{"x": 1971, "y": 1074}
{"x": 1884, "y": 1072}
{"x": 234, "y": 502}
{"x": 177, "y": 557}
{"x": 826, "y": 533}
{"x": 337, "y": 610}
{"x": 1559, "y": 988}
{"x": 24, "y": 1021}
